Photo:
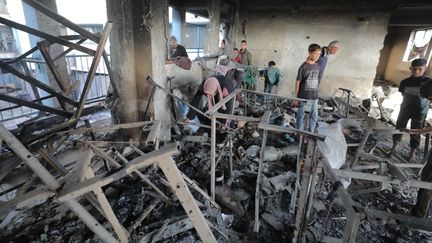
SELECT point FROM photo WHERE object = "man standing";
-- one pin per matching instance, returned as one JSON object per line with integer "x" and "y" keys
{"x": 176, "y": 50}
{"x": 245, "y": 55}
{"x": 424, "y": 196}
{"x": 332, "y": 48}
{"x": 179, "y": 55}
{"x": 413, "y": 107}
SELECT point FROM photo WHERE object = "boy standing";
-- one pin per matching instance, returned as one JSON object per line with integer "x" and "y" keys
{"x": 413, "y": 106}
{"x": 245, "y": 55}
{"x": 307, "y": 85}
{"x": 236, "y": 55}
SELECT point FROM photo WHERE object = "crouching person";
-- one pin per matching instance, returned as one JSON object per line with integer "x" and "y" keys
{"x": 214, "y": 89}
{"x": 272, "y": 78}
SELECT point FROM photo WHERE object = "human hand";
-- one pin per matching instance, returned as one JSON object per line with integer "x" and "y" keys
{"x": 295, "y": 103}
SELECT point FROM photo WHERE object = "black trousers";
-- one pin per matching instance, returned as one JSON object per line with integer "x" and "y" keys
{"x": 417, "y": 122}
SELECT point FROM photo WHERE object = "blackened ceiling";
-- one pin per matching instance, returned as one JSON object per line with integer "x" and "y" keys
{"x": 402, "y": 10}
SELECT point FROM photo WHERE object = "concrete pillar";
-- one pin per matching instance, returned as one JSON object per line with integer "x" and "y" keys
{"x": 151, "y": 44}
{"x": 213, "y": 9}
{"x": 40, "y": 21}
{"x": 234, "y": 26}
{"x": 139, "y": 43}
{"x": 159, "y": 43}
{"x": 123, "y": 59}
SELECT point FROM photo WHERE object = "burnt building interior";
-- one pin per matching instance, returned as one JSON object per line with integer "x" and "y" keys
{"x": 99, "y": 146}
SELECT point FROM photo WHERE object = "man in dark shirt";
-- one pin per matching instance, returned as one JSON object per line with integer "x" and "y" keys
{"x": 176, "y": 50}
{"x": 424, "y": 196}
{"x": 413, "y": 106}
{"x": 307, "y": 85}
{"x": 332, "y": 48}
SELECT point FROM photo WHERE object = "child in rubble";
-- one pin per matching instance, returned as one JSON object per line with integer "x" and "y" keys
{"x": 413, "y": 107}
{"x": 272, "y": 77}
{"x": 424, "y": 196}
{"x": 307, "y": 85}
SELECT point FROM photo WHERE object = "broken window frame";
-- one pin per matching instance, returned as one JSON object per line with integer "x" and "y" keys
{"x": 411, "y": 45}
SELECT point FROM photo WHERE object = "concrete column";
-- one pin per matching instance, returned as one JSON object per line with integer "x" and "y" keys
{"x": 151, "y": 44}
{"x": 159, "y": 44}
{"x": 213, "y": 8}
{"x": 40, "y": 21}
{"x": 234, "y": 26}
{"x": 123, "y": 59}
{"x": 138, "y": 49}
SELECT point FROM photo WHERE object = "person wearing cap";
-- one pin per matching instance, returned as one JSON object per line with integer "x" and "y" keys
{"x": 414, "y": 107}
{"x": 214, "y": 89}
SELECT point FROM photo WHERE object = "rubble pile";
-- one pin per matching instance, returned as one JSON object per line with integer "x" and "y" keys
{"x": 149, "y": 208}
{"x": 130, "y": 197}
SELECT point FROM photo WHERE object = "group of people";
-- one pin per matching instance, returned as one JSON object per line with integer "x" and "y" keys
{"x": 309, "y": 76}
{"x": 416, "y": 91}
{"x": 242, "y": 56}
{"x": 308, "y": 79}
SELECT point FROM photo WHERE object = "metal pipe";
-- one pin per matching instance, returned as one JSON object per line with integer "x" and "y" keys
{"x": 213, "y": 157}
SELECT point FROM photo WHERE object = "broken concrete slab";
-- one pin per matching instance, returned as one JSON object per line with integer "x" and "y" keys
{"x": 169, "y": 231}
{"x": 283, "y": 181}
{"x": 278, "y": 219}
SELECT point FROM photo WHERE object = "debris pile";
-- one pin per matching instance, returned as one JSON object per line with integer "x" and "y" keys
{"x": 151, "y": 211}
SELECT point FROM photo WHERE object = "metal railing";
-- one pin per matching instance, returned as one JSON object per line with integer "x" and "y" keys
{"x": 77, "y": 70}
{"x": 194, "y": 52}
{"x": 12, "y": 86}
{"x": 78, "y": 66}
